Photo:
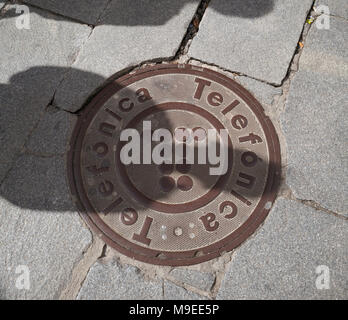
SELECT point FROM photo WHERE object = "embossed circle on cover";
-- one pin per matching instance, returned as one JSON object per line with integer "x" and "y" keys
{"x": 178, "y": 212}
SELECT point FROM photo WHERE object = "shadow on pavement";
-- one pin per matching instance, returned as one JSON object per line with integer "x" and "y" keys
{"x": 146, "y": 12}
{"x": 38, "y": 182}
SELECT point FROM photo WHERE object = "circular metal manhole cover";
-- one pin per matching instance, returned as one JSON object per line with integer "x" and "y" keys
{"x": 207, "y": 197}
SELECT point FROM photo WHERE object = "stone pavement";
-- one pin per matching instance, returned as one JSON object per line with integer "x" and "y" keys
{"x": 298, "y": 72}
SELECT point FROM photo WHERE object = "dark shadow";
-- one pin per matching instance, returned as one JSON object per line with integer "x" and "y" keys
{"x": 40, "y": 181}
{"x": 243, "y": 8}
{"x": 40, "y": 173}
{"x": 37, "y": 180}
{"x": 143, "y": 12}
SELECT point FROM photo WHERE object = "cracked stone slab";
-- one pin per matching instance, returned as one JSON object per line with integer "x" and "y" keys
{"x": 337, "y": 7}
{"x": 263, "y": 92}
{"x": 127, "y": 36}
{"x": 39, "y": 229}
{"x": 52, "y": 135}
{"x": 30, "y": 73}
{"x": 87, "y": 11}
{"x": 249, "y": 37}
{"x": 315, "y": 120}
{"x": 281, "y": 261}
{"x": 108, "y": 280}
{"x": 201, "y": 280}
{"x": 174, "y": 292}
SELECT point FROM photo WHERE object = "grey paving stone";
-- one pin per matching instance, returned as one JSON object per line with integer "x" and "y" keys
{"x": 39, "y": 228}
{"x": 200, "y": 280}
{"x": 263, "y": 92}
{"x": 174, "y": 292}
{"x": 255, "y": 38}
{"x": 32, "y": 65}
{"x": 112, "y": 47}
{"x": 111, "y": 281}
{"x": 337, "y": 7}
{"x": 315, "y": 121}
{"x": 38, "y": 184}
{"x": 87, "y": 11}
{"x": 53, "y": 133}
{"x": 281, "y": 260}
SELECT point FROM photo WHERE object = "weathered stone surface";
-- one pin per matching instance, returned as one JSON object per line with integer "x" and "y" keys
{"x": 174, "y": 292}
{"x": 111, "y": 281}
{"x": 263, "y": 92}
{"x": 123, "y": 41}
{"x": 336, "y": 7}
{"x": 200, "y": 280}
{"x": 256, "y": 39}
{"x": 141, "y": 12}
{"x": 39, "y": 228}
{"x": 87, "y": 11}
{"x": 108, "y": 280}
{"x": 280, "y": 262}
{"x": 53, "y": 133}
{"x": 32, "y": 64}
{"x": 315, "y": 120}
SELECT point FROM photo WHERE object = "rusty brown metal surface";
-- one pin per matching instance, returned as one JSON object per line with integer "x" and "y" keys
{"x": 173, "y": 214}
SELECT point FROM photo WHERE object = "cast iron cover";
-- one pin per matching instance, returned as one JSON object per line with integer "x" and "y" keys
{"x": 173, "y": 214}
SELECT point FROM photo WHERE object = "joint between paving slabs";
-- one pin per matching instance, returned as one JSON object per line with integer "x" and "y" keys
{"x": 125, "y": 71}
{"x": 235, "y": 76}
{"x": 189, "y": 35}
{"x": 107, "y": 5}
{"x": 286, "y": 193}
{"x": 293, "y": 65}
{"x": 192, "y": 30}
{"x": 76, "y": 55}
{"x": 294, "y": 62}
{"x": 217, "y": 267}
{"x": 78, "y": 51}
{"x": 187, "y": 288}
{"x": 81, "y": 269}
{"x": 100, "y": 251}
{"x": 318, "y": 207}
{"x": 194, "y": 60}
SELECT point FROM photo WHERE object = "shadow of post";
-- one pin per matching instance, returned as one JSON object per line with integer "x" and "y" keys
{"x": 146, "y": 12}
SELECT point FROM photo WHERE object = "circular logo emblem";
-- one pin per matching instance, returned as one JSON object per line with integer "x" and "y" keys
{"x": 174, "y": 164}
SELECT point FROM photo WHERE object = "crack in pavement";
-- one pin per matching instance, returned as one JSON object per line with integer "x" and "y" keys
{"x": 297, "y": 53}
{"x": 192, "y": 30}
{"x": 286, "y": 193}
{"x": 81, "y": 270}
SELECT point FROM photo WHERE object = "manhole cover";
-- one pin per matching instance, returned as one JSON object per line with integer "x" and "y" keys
{"x": 149, "y": 177}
